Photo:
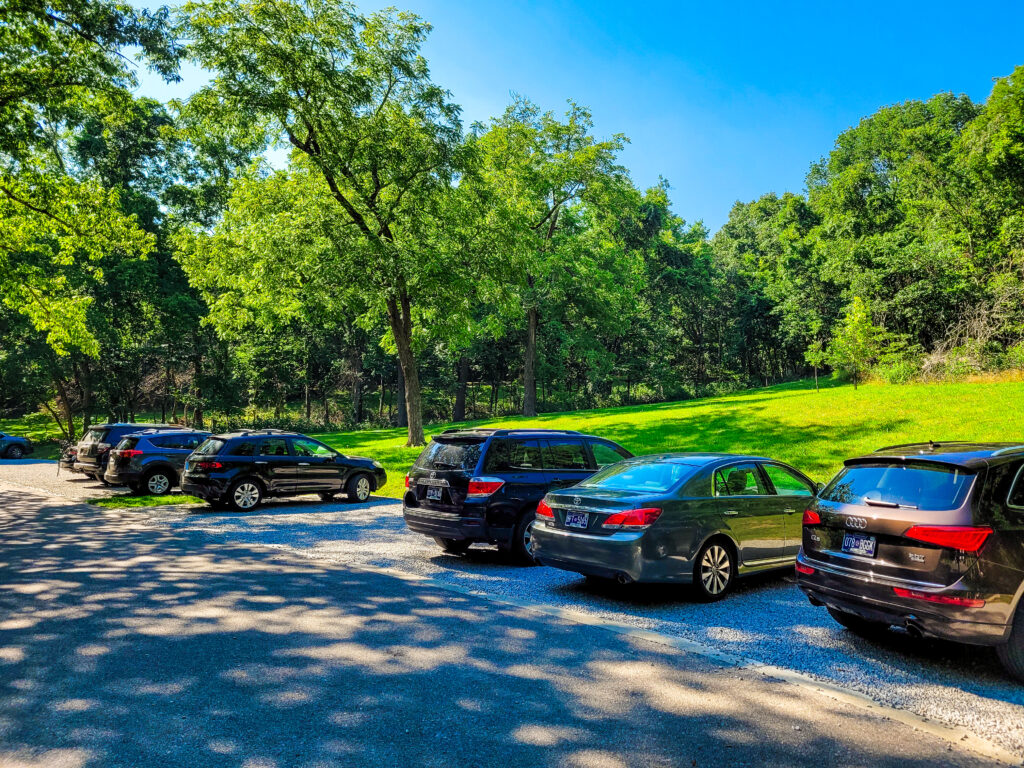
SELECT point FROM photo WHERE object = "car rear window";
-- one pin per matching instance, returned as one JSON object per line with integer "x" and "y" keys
{"x": 210, "y": 447}
{"x": 127, "y": 443}
{"x": 445, "y": 454}
{"x": 654, "y": 477}
{"x": 95, "y": 435}
{"x": 923, "y": 486}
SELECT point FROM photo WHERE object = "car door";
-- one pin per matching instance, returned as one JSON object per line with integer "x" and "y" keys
{"x": 752, "y": 514}
{"x": 275, "y": 465}
{"x": 316, "y": 469}
{"x": 520, "y": 464}
{"x": 792, "y": 492}
{"x": 566, "y": 462}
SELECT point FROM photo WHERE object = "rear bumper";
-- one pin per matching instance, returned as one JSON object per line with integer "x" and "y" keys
{"x": 87, "y": 468}
{"x": 876, "y": 602}
{"x": 618, "y": 556}
{"x": 212, "y": 489}
{"x": 446, "y": 525}
{"x": 116, "y": 476}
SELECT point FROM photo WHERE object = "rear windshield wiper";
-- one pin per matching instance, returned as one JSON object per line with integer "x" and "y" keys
{"x": 444, "y": 464}
{"x": 889, "y": 504}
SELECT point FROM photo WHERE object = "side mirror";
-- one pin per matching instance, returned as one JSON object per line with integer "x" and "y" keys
{"x": 818, "y": 488}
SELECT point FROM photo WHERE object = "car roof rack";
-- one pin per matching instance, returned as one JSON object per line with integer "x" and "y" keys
{"x": 512, "y": 431}
{"x": 267, "y": 431}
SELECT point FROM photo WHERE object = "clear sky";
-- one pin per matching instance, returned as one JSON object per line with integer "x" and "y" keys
{"x": 727, "y": 101}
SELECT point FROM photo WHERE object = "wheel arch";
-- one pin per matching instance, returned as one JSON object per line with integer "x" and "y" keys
{"x": 164, "y": 466}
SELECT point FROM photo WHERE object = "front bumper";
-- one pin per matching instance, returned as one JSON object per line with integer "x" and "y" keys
{"x": 875, "y": 601}
{"x": 620, "y": 555}
{"x": 210, "y": 489}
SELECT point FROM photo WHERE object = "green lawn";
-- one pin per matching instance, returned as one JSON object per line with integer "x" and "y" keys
{"x": 40, "y": 429}
{"x": 128, "y": 501}
{"x": 814, "y": 431}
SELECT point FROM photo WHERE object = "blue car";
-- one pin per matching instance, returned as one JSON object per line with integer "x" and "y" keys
{"x": 13, "y": 447}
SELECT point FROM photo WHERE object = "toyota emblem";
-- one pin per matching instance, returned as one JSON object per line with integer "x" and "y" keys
{"x": 857, "y": 523}
{"x": 433, "y": 475}
{"x": 576, "y": 500}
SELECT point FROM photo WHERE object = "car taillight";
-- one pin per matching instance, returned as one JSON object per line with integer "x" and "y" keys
{"x": 806, "y": 570}
{"x": 543, "y": 510}
{"x": 206, "y": 466}
{"x": 129, "y": 453}
{"x": 928, "y": 597}
{"x": 811, "y": 517}
{"x": 407, "y": 481}
{"x": 968, "y": 538}
{"x": 632, "y": 519}
{"x": 482, "y": 487}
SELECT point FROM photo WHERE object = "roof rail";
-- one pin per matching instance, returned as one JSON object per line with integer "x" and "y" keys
{"x": 527, "y": 430}
{"x": 1009, "y": 449}
{"x": 930, "y": 444}
{"x": 267, "y": 431}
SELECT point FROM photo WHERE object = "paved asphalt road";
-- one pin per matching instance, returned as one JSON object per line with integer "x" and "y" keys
{"x": 125, "y": 643}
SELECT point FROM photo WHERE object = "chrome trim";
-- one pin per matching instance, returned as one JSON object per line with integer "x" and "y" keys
{"x": 600, "y": 510}
{"x": 438, "y": 481}
{"x": 870, "y": 578}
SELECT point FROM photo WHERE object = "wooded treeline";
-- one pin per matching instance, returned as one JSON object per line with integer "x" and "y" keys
{"x": 403, "y": 266}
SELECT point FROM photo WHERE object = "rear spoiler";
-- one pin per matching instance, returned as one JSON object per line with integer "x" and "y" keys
{"x": 881, "y": 458}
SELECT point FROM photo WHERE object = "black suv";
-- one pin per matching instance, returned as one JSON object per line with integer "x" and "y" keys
{"x": 93, "y": 449}
{"x": 151, "y": 461}
{"x": 483, "y": 485}
{"x": 929, "y": 537}
{"x": 241, "y": 469}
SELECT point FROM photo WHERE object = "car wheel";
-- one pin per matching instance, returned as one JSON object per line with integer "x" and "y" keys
{"x": 857, "y": 625}
{"x": 522, "y": 539}
{"x": 136, "y": 488}
{"x": 327, "y": 496}
{"x": 714, "y": 571}
{"x": 358, "y": 488}
{"x": 453, "y": 546}
{"x": 15, "y": 452}
{"x": 1012, "y": 653}
{"x": 245, "y": 494}
{"x": 158, "y": 482}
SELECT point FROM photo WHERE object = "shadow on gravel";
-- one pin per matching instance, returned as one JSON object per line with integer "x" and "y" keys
{"x": 122, "y": 644}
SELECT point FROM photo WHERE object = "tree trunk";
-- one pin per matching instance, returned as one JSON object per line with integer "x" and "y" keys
{"x": 815, "y": 378}
{"x": 309, "y": 403}
{"x": 327, "y": 408}
{"x": 197, "y": 372}
{"x": 65, "y": 406}
{"x": 530, "y": 364}
{"x": 400, "y": 315}
{"x": 380, "y": 402}
{"x": 356, "y": 361}
{"x": 459, "y": 411}
{"x": 403, "y": 415}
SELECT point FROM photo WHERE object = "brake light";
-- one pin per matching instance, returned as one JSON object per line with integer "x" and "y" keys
{"x": 482, "y": 487}
{"x": 129, "y": 453}
{"x": 968, "y": 538}
{"x": 806, "y": 570}
{"x": 811, "y": 518}
{"x": 206, "y": 466}
{"x": 406, "y": 480}
{"x": 543, "y": 510}
{"x": 632, "y": 519}
{"x": 928, "y": 597}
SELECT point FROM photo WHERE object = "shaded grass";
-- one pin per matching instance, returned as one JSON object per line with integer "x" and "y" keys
{"x": 814, "y": 431}
{"x": 40, "y": 429}
{"x": 126, "y": 502}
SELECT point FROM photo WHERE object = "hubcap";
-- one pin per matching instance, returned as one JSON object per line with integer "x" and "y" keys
{"x": 15, "y": 452}
{"x": 715, "y": 569}
{"x": 528, "y": 538}
{"x": 158, "y": 484}
{"x": 246, "y": 495}
{"x": 362, "y": 489}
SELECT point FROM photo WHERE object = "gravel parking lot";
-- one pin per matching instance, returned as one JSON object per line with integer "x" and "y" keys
{"x": 42, "y": 475}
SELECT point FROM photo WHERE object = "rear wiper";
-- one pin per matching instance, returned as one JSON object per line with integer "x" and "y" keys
{"x": 444, "y": 464}
{"x": 889, "y": 504}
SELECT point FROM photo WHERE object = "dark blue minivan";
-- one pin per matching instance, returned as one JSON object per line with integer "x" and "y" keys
{"x": 483, "y": 485}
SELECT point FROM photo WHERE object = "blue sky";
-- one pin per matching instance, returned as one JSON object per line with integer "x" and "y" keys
{"x": 725, "y": 100}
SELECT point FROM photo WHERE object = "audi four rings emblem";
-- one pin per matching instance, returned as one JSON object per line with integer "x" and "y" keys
{"x": 858, "y": 523}
{"x": 576, "y": 500}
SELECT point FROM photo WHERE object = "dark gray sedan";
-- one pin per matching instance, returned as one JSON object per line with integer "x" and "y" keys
{"x": 697, "y": 518}
{"x": 14, "y": 447}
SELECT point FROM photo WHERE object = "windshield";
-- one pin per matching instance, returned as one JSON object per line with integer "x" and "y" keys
{"x": 446, "y": 455}
{"x": 655, "y": 477}
{"x": 927, "y": 487}
{"x": 95, "y": 435}
{"x": 209, "y": 447}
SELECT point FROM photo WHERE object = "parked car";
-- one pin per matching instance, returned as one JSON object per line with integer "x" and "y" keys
{"x": 13, "y": 447}
{"x": 151, "y": 461}
{"x": 929, "y": 537}
{"x": 483, "y": 485}
{"x": 93, "y": 450}
{"x": 686, "y": 518}
{"x": 240, "y": 469}
{"x": 68, "y": 457}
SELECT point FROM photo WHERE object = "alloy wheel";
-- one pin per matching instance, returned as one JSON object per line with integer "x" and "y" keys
{"x": 715, "y": 569}
{"x": 362, "y": 489}
{"x": 158, "y": 484}
{"x": 528, "y": 537}
{"x": 15, "y": 452}
{"x": 247, "y": 495}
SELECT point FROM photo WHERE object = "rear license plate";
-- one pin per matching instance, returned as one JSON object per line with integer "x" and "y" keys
{"x": 857, "y": 544}
{"x": 577, "y": 519}
{"x": 434, "y": 493}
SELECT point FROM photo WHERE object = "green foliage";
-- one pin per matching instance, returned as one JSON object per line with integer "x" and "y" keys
{"x": 856, "y": 342}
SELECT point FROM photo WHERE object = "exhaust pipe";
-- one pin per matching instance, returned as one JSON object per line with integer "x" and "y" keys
{"x": 623, "y": 578}
{"x": 914, "y": 631}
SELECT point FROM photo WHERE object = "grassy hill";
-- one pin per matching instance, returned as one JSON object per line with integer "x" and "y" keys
{"x": 814, "y": 431}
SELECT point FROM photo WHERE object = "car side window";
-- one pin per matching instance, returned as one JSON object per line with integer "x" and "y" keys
{"x": 513, "y": 455}
{"x": 605, "y": 454}
{"x": 739, "y": 480}
{"x": 274, "y": 446}
{"x": 244, "y": 448}
{"x": 1015, "y": 499}
{"x": 312, "y": 448}
{"x": 565, "y": 454}
{"x": 786, "y": 483}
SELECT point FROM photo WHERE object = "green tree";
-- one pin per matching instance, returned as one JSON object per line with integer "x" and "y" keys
{"x": 856, "y": 341}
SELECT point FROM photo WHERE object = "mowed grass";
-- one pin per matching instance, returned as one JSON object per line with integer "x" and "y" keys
{"x": 40, "y": 429}
{"x": 813, "y": 431}
{"x": 128, "y": 502}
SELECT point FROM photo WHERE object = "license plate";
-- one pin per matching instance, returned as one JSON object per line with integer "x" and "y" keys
{"x": 434, "y": 494}
{"x": 857, "y": 544}
{"x": 577, "y": 519}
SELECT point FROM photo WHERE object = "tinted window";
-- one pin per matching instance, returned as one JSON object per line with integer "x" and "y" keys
{"x": 176, "y": 442}
{"x": 305, "y": 447}
{"x": 210, "y": 447}
{"x": 243, "y": 448}
{"x": 565, "y": 454}
{"x": 926, "y": 487}
{"x": 739, "y": 480}
{"x": 1016, "y": 497}
{"x": 126, "y": 443}
{"x": 630, "y": 476}
{"x": 513, "y": 456}
{"x": 442, "y": 454}
{"x": 786, "y": 483}
{"x": 274, "y": 446}
{"x": 604, "y": 454}
{"x": 95, "y": 435}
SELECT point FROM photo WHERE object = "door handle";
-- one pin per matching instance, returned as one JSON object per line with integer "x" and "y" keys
{"x": 731, "y": 512}
{"x": 260, "y": 462}
{"x": 303, "y": 463}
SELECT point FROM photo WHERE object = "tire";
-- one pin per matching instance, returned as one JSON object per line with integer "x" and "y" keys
{"x": 358, "y": 487}
{"x": 1011, "y": 655}
{"x": 15, "y": 452}
{"x": 714, "y": 571}
{"x": 522, "y": 539}
{"x": 245, "y": 494}
{"x": 136, "y": 488}
{"x": 327, "y": 496}
{"x": 453, "y": 546}
{"x": 860, "y": 627}
{"x": 158, "y": 482}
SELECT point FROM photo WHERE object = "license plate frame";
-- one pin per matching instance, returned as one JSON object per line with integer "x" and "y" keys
{"x": 434, "y": 493}
{"x": 859, "y": 544}
{"x": 577, "y": 520}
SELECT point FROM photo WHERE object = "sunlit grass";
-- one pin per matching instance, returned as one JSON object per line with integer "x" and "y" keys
{"x": 129, "y": 502}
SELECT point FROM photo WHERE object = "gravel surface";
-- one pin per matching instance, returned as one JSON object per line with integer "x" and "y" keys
{"x": 767, "y": 619}
{"x": 42, "y": 475}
